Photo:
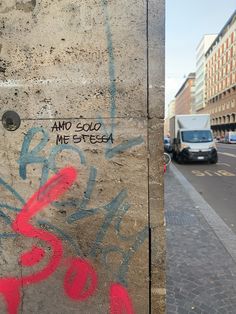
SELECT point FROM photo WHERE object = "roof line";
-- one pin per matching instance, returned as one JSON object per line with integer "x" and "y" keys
{"x": 222, "y": 31}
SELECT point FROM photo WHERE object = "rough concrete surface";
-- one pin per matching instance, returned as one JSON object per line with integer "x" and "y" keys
{"x": 81, "y": 191}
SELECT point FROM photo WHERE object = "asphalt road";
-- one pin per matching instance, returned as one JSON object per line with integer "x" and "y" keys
{"x": 216, "y": 182}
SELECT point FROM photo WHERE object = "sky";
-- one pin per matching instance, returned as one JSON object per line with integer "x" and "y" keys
{"x": 186, "y": 23}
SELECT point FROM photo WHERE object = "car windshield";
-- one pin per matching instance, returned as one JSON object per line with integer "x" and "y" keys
{"x": 197, "y": 136}
{"x": 233, "y": 137}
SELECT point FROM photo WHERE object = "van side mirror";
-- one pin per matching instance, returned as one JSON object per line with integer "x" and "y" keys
{"x": 176, "y": 141}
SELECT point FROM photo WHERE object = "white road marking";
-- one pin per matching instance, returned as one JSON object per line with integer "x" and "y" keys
{"x": 227, "y": 146}
{"x": 210, "y": 173}
{"x": 227, "y": 154}
{"x": 224, "y": 164}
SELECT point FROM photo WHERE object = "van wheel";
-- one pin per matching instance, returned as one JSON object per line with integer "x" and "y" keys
{"x": 214, "y": 161}
{"x": 179, "y": 159}
{"x": 174, "y": 156}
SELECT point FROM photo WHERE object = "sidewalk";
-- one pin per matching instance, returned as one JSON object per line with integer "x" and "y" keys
{"x": 201, "y": 252}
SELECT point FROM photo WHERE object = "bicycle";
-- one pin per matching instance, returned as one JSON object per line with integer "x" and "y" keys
{"x": 167, "y": 160}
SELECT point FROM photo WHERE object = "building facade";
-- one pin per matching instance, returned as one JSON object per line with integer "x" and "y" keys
{"x": 171, "y": 108}
{"x": 201, "y": 50}
{"x": 184, "y": 99}
{"x": 169, "y": 115}
{"x": 220, "y": 79}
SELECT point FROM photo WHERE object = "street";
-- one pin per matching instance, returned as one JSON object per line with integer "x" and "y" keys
{"x": 216, "y": 182}
{"x": 201, "y": 248}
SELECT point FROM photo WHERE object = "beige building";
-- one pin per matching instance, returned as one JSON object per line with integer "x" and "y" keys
{"x": 184, "y": 99}
{"x": 220, "y": 79}
{"x": 171, "y": 109}
{"x": 170, "y": 113}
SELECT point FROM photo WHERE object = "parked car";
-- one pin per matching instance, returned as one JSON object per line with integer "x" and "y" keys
{"x": 222, "y": 139}
{"x": 217, "y": 139}
{"x": 230, "y": 137}
{"x": 167, "y": 145}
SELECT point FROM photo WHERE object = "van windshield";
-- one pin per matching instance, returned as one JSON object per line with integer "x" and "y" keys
{"x": 232, "y": 137}
{"x": 197, "y": 136}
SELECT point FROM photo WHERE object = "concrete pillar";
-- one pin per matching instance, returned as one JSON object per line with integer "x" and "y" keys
{"x": 81, "y": 187}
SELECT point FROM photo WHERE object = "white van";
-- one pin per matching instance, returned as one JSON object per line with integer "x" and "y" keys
{"x": 192, "y": 138}
{"x": 230, "y": 137}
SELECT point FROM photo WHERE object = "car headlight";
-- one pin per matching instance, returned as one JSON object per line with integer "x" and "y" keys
{"x": 212, "y": 146}
{"x": 185, "y": 146}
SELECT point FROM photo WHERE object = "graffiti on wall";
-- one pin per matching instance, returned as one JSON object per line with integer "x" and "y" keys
{"x": 82, "y": 133}
{"x": 80, "y": 280}
{"x": 113, "y": 211}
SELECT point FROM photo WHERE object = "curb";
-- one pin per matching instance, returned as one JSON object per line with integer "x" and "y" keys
{"x": 222, "y": 231}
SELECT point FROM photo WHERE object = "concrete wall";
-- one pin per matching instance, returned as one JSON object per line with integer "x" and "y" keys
{"x": 81, "y": 193}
